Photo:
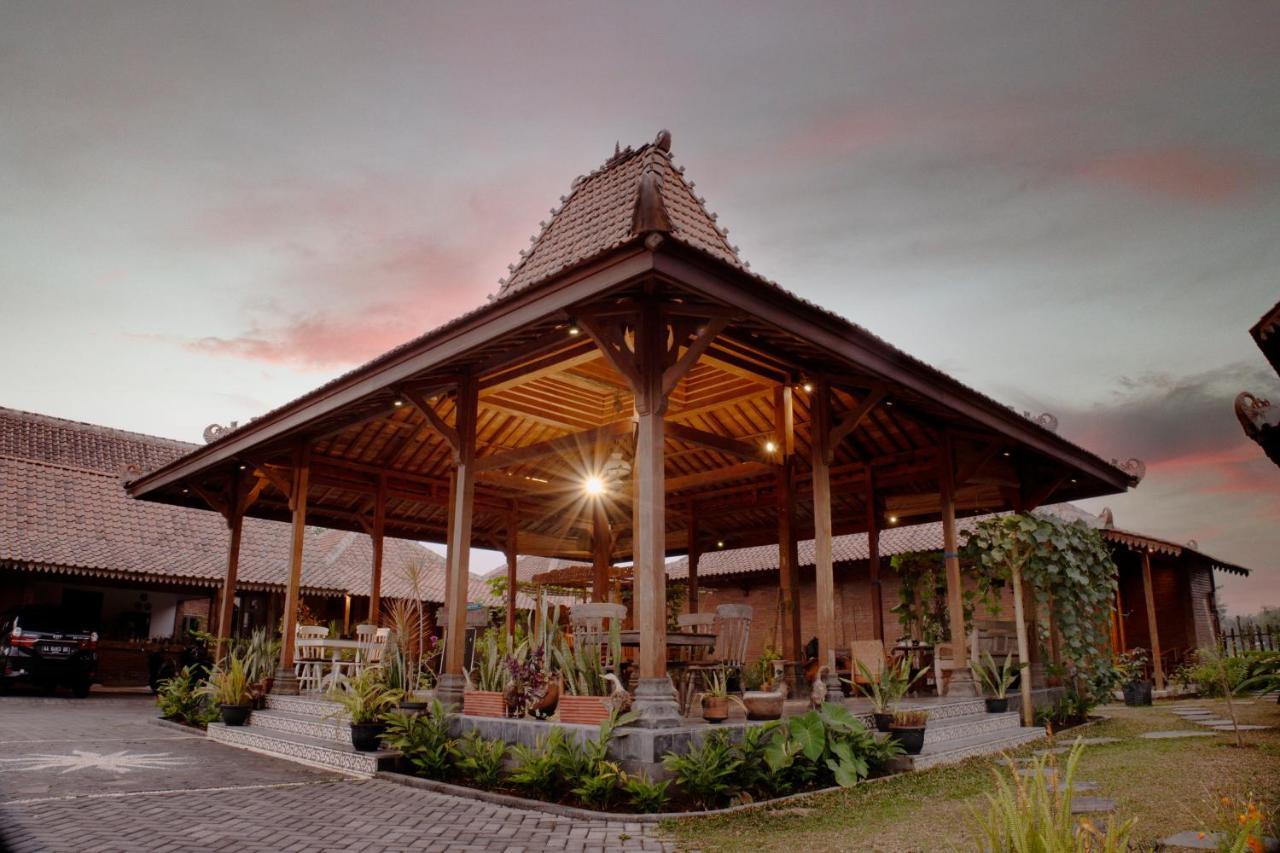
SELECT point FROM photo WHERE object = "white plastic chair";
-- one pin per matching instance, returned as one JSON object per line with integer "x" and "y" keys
{"x": 309, "y": 659}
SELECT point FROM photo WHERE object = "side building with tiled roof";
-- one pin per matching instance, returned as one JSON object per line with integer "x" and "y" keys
{"x": 138, "y": 571}
{"x": 1182, "y": 583}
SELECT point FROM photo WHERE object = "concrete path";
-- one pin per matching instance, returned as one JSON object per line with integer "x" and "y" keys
{"x": 98, "y": 775}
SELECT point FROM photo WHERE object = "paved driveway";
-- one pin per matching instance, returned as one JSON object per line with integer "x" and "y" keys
{"x": 98, "y": 775}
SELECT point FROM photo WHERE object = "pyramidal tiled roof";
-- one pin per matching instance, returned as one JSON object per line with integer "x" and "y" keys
{"x": 635, "y": 192}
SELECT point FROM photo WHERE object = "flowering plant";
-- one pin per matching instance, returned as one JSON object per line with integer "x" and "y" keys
{"x": 526, "y": 679}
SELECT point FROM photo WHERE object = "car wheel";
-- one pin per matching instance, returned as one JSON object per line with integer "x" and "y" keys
{"x": 81, "y": 688}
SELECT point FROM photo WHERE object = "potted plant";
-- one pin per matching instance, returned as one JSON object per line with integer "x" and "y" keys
{"x": 584, "y": 692}
{"x": 486, "y": 679}
{"x": 886, "y": 688}
{"x": 228, "y": 688}
{"x": 766, "y": 689}
{"x": 366, "y": 699}
{"x": 715, "y": 696}
{"x": 996, "y": 680}
{"x": 907, "y": 729}
{"x": 1131, "y": 671}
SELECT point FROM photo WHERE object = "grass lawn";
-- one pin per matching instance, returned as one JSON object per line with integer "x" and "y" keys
{"x": 1168, "y": 785}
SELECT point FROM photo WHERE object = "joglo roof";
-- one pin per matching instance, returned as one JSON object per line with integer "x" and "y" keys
{"x": 553, "y": 408}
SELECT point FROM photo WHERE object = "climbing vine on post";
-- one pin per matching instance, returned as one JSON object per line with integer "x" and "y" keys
{"x": 922, "y": 594}
{"x": 1069, "y": 569}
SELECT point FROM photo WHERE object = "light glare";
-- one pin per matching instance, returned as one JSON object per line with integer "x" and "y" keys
{"x": 594, "y": 486}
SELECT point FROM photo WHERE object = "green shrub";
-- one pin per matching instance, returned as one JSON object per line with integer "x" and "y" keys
{"x": 424, "y": 740}
{"x": 584, "y": 766}
{"x": 179, "y": 699}
{"x": 827, "y": 746}
{"x": 645, "y": 795}
{"x": 1031, "y": 814}
{"x": 708, "y": 772}
{"x": 537, "y": 769}
{"x": 596, "y": 789}
{"x": 754, "y": 774}
{"x": 478, "y": 759}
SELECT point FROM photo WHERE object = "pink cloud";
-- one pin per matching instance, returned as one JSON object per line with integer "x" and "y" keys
{"x": 1185, "y": 174}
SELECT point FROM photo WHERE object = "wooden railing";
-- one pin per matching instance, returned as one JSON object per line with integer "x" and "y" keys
{"x": 1238, "y": 640}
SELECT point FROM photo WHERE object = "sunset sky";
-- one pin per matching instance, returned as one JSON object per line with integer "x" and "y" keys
{"x": 210, "y": 208}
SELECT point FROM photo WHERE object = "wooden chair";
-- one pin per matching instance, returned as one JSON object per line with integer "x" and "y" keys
{"x": 309, "y": 660}
{"x": 732, "y": 626}
{"x": 696, "y": 623}
{"x": 590, "y": 622}
{"x": 869, "y": 653}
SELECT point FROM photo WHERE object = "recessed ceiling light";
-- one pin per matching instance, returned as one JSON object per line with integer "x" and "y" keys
{"x": 771, "y": 446}
{"x": 593, "y": 485}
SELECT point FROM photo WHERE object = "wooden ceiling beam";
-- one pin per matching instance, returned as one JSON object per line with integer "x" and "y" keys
{"x": 724, "y": 444}
{"x": 580, "y": 352}
{"x": 852, "y": 421}
{"x": 697, "y": 347}
{"x": 589, "y": 438}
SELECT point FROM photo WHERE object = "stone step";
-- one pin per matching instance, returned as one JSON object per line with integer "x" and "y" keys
{"x": 324, "y": 728}
{"x": 957, "y": 728}
{"x": 307, "y": 706}
{"x": 316, "y": 752}
{"x": 951, "y": 751}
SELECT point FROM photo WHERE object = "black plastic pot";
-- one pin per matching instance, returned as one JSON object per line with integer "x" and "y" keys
{"x": 997, "y": 705}
{"x": 911, "y": 740}
{"x": 413, "y": 707}
{"x": 365, "y": 737}
{"x": 1137, "y": 693}
{"x": 883, "y": 721}
{"x": 235, "y": 715}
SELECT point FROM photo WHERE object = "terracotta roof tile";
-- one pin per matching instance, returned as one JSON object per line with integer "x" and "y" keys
{"x": 62, "y": 509}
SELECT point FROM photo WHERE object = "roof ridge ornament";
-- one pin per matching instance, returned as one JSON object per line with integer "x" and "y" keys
{"x": 1107, "y": 518}
{"x": 650, "y": 212}
{"x": 1044, "y": 419}
{"x": 215, "y": 431}
{"x": 1132, "y": 466}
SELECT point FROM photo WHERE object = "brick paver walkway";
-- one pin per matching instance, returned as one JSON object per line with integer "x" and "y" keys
{"x": 97, "y": 775}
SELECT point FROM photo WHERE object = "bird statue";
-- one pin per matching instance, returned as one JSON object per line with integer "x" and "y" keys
{"x": 818, "y": 693}
{"x": 619, "y": 699}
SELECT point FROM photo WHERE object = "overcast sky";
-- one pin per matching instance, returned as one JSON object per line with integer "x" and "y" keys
{"x": 209, "y": 208}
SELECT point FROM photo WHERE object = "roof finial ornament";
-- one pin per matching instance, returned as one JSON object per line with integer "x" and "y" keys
{"x": 1107, "y": 518}
{"x": 650, "y": 213}
{"x": 663, "y": 140}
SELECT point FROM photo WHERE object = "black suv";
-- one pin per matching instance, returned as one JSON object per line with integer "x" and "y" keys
{"x": 40, "y": 644}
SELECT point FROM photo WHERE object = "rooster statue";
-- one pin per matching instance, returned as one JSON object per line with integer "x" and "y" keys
{"x": 619, "y": 699}
{"x": 818, "y": 691}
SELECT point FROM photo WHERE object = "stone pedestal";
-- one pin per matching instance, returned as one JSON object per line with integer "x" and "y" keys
{"x": 834, "y": 693}
{"x": 963, "y": 683}
{"x": 655, "y": 702}
{"x": 285, "y": 682}
{"x": 449, "y": 689}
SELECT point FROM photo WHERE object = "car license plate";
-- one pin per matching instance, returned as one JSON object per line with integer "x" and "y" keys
{"x": 61, "y": 651}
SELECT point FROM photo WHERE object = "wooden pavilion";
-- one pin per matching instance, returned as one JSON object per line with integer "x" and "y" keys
{"x": 633, "y": 391}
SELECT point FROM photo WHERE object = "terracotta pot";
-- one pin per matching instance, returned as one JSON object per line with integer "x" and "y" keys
{"x": 546, "y": 706}
{"x": 912, "y": 740}
{"x": 235, "y": 715}
{"x": 997, "y": 705}
{"x": 715, "y": 709}
{"x": 584, "y": 710}
{"x": 484, "y": 703}
{"x": 763, "y": 706}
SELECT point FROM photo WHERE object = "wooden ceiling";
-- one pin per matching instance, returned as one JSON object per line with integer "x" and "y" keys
{"x": 553, "y": 412}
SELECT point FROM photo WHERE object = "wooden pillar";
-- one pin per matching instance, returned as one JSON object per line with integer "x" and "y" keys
{"x": 1024, "y": 649}
{"x": 458, "y": 542}
{"x": 1156, "y": 664}
{"x": 513, "y": 581}
{"x": 286, "y": 681}
{"x": 601, "y": 550}
{"x": 655, "y": 697}
{"x": 873, "y": 557}
{"x": 375, "y": 580}
{"x": 228, "y": 599}
{"x": 1124, "y": 644}
{"x": 788, "y": 557}
{"x": 824, "y": 569}
{"x": 962, "y": 683}
{"x": 346, "y": 614}
{"x": 695, "y": 552}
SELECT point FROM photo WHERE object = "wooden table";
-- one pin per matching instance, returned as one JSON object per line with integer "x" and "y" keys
{"x": 699, "y": 644}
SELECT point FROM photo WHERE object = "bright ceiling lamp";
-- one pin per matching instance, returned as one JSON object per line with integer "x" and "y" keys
{"x": 593, "y": 485}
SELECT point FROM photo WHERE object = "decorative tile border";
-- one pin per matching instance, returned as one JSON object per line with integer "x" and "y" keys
{"x": 363, "y": 764}
{"x": 322, "y": 729}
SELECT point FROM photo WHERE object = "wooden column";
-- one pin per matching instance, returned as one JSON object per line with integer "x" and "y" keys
{"x": 695, "y": 552}
{"x": 458, "y": 542}
{"x": 601, "y": 550}
{"x": 962, "y": 683}
{"x": 226, "y": 609}
{"x": 655, "y": 697}
{"x": 286, "y": 681}
{"x": 1152, "y": 629}
{"x": 824, "y": 569}
{"x": 788, "y": 558}
{"x": 1024, "y": 649}
{"x": 346, "y": 614}
{"x": 873, "y": 557}
{"x": 1124, "y": 645}
{"x": 375, "y": 580}
{"x": 513, "y": 580}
